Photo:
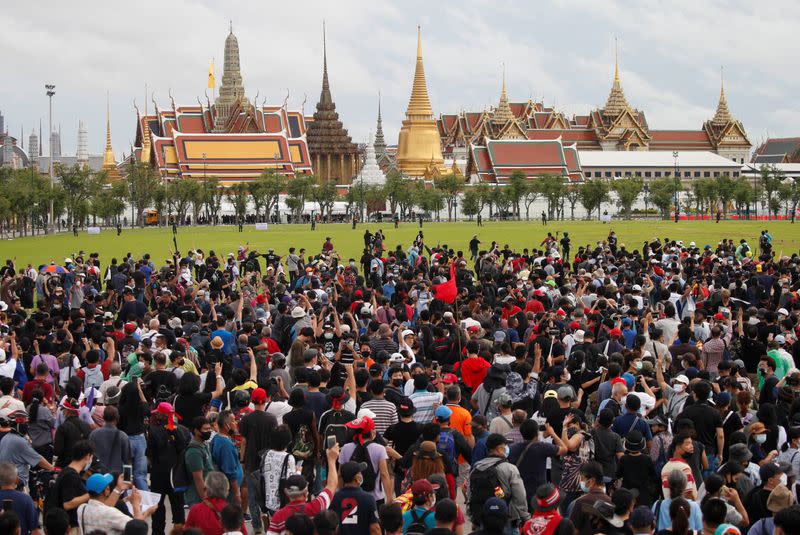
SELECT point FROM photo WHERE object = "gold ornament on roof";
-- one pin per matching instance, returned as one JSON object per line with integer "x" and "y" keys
{"x": 616, "y": 103}
{"x": 723, "y": 115}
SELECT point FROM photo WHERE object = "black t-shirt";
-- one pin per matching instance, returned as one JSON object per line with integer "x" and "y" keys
{"x": 555, "y": 418}
{"x": 638, "y": 472}
{"x": 189, "y": 407}
{"x": 132, "y": 411}
{"x": 156, "y": 379}
{"x": 68, "y": 486}
{"x": 356, "y": 510}
{"x": 256, "y": 428}
{"x": 329, "y": 345}
{"x": 706, "y": 421}
{"x": 403, "y": 434}
{"x": 533, "y": 467}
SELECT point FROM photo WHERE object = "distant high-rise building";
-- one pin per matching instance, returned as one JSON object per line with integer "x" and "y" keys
{"x": 2, "y": 123}
{"x": 82, "y": 154}
{"x": 8, "y": 151}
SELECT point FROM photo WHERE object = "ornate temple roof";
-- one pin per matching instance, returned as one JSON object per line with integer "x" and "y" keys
{"x": 616, "y": 103}
{"x": 380, "y": 142}
{"x": 326, "y": 134}
{"x": 109, "y": 162}
{"x": 419, "y": 105}
{"x": 503, "y": 113}
{"x": 723, "y": 115}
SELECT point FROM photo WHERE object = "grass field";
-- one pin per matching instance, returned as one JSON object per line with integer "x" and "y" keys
{"x": 225, "y": 239}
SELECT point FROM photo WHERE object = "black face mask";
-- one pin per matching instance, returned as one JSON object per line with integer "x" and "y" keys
{"x": 686, "y": 455}
{"x": 205, "y": 435}
{"x": 397, "y": 382}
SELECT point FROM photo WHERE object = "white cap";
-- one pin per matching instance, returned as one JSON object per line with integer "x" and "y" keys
{"x": 298, "y": 312}
{"x": 637, "y": 288}
{"x": 783, "y": 311}
{"x": 2, "y": 355}
{"x": 396, "y": 357}
{"x": 3, "y": 306}
{"x": 344, "y": 328}
{"x": 682, "y": 379}
{"x": 406, "y": 333}
{"x": 578, "y": 335}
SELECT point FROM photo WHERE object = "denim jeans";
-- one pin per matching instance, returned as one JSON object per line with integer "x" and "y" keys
{"x": 252, "y": 498}
{"x": 138, "y": 448}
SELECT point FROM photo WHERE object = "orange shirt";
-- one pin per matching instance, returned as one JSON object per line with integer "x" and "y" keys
{"x": 461, "y": 421}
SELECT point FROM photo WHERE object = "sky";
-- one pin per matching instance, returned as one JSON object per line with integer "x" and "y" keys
{"x": 670, "y": 57}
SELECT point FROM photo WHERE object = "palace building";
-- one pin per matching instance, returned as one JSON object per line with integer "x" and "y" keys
{"x": 233, "y": 139}
{"x": 334, "y": 156}
{"x": 617, "y": 126}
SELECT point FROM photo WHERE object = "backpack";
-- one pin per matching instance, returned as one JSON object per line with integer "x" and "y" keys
{"x": 179, "y": 476}
{"x": 335, "y": 426}
{"x": 92, "y": 377}
{"x": 483, "y": 484}
{"x": 662, "y": 459}
{"x": 446, "y": 445}
{"x": 418, "y": 525}
{"x": 361, "y": 455}
{"x": 302, "y": 446}
{"x": 261, "y": 488}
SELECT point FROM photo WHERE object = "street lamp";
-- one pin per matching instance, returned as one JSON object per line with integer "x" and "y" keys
{"x": 50, "y": 91}
{"x": 675, "y": 174}
{"x": 205, "y": 187}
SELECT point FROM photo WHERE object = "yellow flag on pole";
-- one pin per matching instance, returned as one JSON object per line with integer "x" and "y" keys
{"x": 212, "y": 81}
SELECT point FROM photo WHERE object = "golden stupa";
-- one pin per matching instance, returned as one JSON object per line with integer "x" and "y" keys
{"x": 419, "y": 148}
{"x": 109, "y": 162}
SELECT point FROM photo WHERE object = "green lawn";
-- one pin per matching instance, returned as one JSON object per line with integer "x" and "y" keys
{"x": 158, "y": 242}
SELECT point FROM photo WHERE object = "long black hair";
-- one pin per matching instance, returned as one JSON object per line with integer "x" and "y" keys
{"x": 33, "y": 409}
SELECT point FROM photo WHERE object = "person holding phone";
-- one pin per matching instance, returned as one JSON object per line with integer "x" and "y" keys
{"x": 100, "y": 511}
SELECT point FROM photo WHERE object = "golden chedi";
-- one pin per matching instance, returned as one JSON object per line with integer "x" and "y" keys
{"x": 419, "y": 149}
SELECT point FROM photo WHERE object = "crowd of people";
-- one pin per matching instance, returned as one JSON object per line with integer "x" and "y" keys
{"x": 414, "y": 390}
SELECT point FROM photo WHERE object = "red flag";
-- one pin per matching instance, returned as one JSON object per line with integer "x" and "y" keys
{"x": 447, "y": 291}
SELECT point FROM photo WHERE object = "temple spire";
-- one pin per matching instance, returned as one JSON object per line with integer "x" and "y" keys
{"x": 109, "y": 162}
{"x": 380, "y": 142}
{"x": 419, "y": 106}
{"x": 325, "y": 96}
{"x": 723, "y": 114}
{"x": 616, "y": 103}
{"x": 503, "y": 113}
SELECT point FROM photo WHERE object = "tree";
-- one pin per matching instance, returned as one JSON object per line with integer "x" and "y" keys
{"x": 109, "y": 202}
{"x": 265, "y": 192}
{"x": 662, "y": 195}
{"x": 627, "y": 190}
{"x": 450, "y": 186}
{"x": 742, "y": 194}
{"x": 531, "y": 194}
{"x": 552, "y": 188}
{"x": 160, "y": 198}
{"x": 211, "y": 195}
{"x": 296, "y": 193}
{"x": 516, "y": 189}
{"x": 237, "y": 195}
{"x": 324, "y": 195}
{"x": 499, "y": 196}
{"x": 593, "y": 194}
{"x": 771, "y": 180}
{"x": 725, "y": 188}
{"x": 430, "y": 200}
{"x": 471, "y": 203}
{"x": 573, "y": 195}
{"x": 78, "y": 184}
{"x": 180, "y": 193}
{"x": 484, "y": 196}
{"x": 396, "y": 190}
{"x": 705, "y": 193}
{"x": 142, "y": 181}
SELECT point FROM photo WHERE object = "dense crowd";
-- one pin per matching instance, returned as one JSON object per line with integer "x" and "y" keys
{"x": 417, "y": 390}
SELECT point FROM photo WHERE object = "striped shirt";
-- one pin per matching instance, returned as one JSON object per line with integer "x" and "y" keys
{"x": 385, "y": 413}
{"x": 425, "y": 403}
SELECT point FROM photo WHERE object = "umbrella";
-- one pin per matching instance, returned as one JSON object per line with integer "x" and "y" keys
{"x": 52, "y": 268}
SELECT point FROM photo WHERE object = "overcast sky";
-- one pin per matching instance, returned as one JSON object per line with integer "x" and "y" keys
{"x": 563, "y": 51}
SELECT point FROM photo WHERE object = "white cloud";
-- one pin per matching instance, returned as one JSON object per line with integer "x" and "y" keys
{"x": 670, "y": 55}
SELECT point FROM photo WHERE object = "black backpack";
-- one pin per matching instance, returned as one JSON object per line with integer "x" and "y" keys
{"x": 418, "y": 525}
{"x": 335, "y": 421}
{"x": 482, "y": 486}
{"x": 361, "y": 455}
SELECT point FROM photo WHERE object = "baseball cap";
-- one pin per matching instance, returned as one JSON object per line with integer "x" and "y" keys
{"x": 682, "y": 379}
{"x": 351, "y": 469}
{"x": 97, "y": 483}
{"x": 423, "y": 487}
{"x": 365, "y": 424}
{"x": 396, "y": 357}
{"x": 495, "y": 507}
{"x": 566, "y": 393}
{"x": 259, "y": 395}
{"x": 443, "y": 412}
{"x": 129, "y": 327}
{"x": 450, "y": 378}
{"x": 780, "y": 339}
{"x": 783, "y": 311}
{"x": 504, "y": 400}
{"x": 406, "y": 408}
{"x": 641, "y": 517}
{"x": 295, "y": 483}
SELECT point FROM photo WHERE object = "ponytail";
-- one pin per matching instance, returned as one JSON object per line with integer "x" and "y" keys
{"x": 679, "y": 512}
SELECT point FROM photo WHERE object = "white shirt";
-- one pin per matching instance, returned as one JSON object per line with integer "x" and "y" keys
{"x": 8, "y": 368}
{"x": 96, "y": 515}
{"x": 278, "y": 409}
{"x": 9, "y": 404}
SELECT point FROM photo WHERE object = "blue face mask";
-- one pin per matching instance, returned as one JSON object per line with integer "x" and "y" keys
{"x": 584, "y": 486}
{"x": 508, "y": 451}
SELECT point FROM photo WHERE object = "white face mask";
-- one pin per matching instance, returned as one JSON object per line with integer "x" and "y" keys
{"x": 678, "y": 387}
{"x": 784, "y": 479}
{"x": 761, "y": 438}
{"x": 567, "y": 377}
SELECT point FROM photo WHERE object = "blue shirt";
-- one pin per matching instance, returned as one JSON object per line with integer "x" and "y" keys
{"x": 665, "y": 522}
{"x": 479, "y": 451}
{"x": 630, "y": 336}
{"x": 228, "y": 340}
{"x": 624, "y": 424}
{"x": 24, "y": 508}
{"x": 429, "y": 519}
{"x": 226, "y": 458}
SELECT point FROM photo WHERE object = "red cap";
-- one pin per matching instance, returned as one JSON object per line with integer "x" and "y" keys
{"x": 560, "y": 312}
{"x": 258, "y": 396}
{"x": 129, "y": 327}
{"x": 473, "y": 328}
{"x": 358, "y": 293}
{"x": 538, "y": 293}
{"x": 616, "y": 380}
{"x": 615, "y": 333}
{"x": 261, "y": 299}
{"x": 719, "y": 317}
{"x": 164, "y": 408}
{"x": 423, "y": 487}
{"x": 450, "y": 378}
{"x": 365, "y": 424}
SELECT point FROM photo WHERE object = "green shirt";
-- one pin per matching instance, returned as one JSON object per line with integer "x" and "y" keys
{"x": 197, "y": 458}
{"x": 781, "y": 366}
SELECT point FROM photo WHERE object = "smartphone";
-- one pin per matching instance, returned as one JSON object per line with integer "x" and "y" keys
{"x": 8, "y": 505}
{"x": 330, "y": 442}
{"x": 435, "y": 366}
{"x": 127, "y": 473}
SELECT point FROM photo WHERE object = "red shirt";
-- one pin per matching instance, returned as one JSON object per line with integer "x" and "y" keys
{"x": 278, "y": 521}
{"x": 30, "y": 386}
{"x": 508, "y": 312}
{"x": 473, "y": 370}
{"x": 206, "y": 520}
{"x": 534, "y": 306}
